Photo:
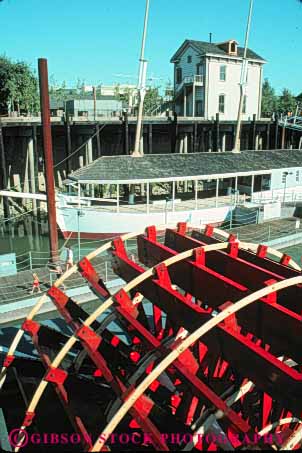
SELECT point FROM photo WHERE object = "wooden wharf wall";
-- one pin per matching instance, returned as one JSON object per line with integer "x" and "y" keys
{"x": 21, "y": 152}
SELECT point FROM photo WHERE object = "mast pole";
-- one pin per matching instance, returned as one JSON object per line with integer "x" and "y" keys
{"x": 243, "y": 79}
{"x": 48, "y": 159}
{"x": 141, "y": 85}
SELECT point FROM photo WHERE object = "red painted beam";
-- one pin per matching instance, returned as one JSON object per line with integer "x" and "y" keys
{"x": 244, "y": 272}
{"x": 263, "y": 262}
{"x": 264, "y": 362}
{"x": 265, "y": 319}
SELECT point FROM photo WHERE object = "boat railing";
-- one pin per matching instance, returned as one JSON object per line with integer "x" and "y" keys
{"x": 141, "y": 205}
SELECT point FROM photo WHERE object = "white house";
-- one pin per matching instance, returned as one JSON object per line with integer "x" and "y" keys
{"x": 207, "y": 77}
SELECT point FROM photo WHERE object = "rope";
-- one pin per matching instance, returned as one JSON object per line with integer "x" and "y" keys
{"x": 81, "y": 146}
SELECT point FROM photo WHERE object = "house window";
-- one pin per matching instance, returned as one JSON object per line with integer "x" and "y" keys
{"x": 199, "y": 69}
{"x": 189, "y": 60}
{"x": 221, "y": 103}
{"x": 284, "y": 176}
{"x": 223, "y": 73}
{"x": 244, "y": 104}
{"x": 233, "y": 47}
{"x": 297, "y": 176}
{"x": 199, "y": 108}
{"x": 178, "y": 75}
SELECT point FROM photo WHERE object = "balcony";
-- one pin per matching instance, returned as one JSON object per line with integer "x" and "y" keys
{"x": 190, "y": 80}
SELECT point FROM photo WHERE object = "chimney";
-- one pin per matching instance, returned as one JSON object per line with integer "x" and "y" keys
{"x": 211, "y": 38}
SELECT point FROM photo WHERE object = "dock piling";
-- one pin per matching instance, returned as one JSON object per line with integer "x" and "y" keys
{"x": 48, "y": 158}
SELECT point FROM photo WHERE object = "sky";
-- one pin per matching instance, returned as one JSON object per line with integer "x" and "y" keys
{"x": 98, "y": 41}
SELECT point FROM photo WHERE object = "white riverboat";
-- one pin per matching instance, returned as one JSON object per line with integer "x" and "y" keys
{"x": 118, "y": 194}
{"x": 115, "y": 195}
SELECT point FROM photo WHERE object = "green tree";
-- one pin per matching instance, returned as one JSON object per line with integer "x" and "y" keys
{"x": 18, "y": 87}
{"x": 60, "y": 93}
{"x": 287, "y": 102}
{"x": 153, "y": 99}
{"x": 117, "y": 93}
{"x": 269, "y": 99}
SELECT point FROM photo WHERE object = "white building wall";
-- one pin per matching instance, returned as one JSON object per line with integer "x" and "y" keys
{"x": 231, "y": 89}
{"x": 292, "y": 180}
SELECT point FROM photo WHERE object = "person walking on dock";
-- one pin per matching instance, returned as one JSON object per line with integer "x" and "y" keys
{"x": 36, "y": 284}
{"x": 59, "y": 272}
{"x": 69, "y": 257}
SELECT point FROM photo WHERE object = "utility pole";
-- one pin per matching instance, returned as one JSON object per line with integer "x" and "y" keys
{"x": 243, "y": 80}
{"x": 141, "y": 87}
{"x": 94, "y": 103}
{"x": 3, "y": 182}
{"x": 48, "y": 159}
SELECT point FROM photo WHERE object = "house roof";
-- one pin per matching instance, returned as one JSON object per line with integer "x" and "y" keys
{"x": 205, "y": 48}
{"x": 169, "y": 167}
{"x": 91, "y": 98}
{"x": 56, "y": 104}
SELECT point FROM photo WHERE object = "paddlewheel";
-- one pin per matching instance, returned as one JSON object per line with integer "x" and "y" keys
{"x": 199, "y": 348}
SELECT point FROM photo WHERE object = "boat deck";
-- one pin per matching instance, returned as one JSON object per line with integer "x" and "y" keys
{"x": 268, "y": 231}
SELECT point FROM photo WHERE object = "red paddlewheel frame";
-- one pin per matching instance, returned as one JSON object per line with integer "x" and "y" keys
{"x": 240, "y": 379}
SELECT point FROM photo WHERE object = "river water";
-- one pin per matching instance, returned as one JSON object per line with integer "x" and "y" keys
{"x": 33, "y": 250}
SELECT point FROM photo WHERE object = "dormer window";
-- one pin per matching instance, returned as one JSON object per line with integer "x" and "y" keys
{"x": 189, "y": 59}
{"x": 230, "y": 47}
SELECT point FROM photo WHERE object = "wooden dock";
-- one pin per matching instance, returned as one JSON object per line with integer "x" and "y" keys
{"x": 17, "y": 288}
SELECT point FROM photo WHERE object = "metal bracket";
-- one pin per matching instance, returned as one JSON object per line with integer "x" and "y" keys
{"x": 151, "y": 233}
{"x": 231, "y": 321}
{"x": 209, "y": 230}
{"x": 234, "y": 249}
{"x": 8, "y": 360}
{"x": 29, "y": 416}
{"x": 163, "y": 275}
{"x": 31, "y": 327}
{"x": 271, "y": 298}
{"x": 56, "y": 375}
{"x": 89, "y": 336}
{"x": 58, "y": 296}
{"x": 119, "y": 247}
{"x": 126, "y": 303}
{"x": 285, "y": 259}
{"x": 182, "y": 228}
{"x": 262, "y": 251}
{"x": 200, "y": 256}
{"x": 60, "y": 300}
{"x": 88, "y": 271}
{"x": 91, "y": 275}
